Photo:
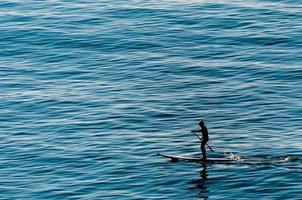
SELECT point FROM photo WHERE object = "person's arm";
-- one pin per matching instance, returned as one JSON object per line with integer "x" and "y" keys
{"x": 196, "y": 131}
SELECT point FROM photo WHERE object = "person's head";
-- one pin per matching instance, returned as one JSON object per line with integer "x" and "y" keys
{"x": 201, "y": 123}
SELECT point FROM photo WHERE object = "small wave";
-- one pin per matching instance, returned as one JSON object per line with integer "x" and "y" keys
{"x": 289, "y": 158}
{"x": 262, "y": 159}
{"x": 232, "y": 156}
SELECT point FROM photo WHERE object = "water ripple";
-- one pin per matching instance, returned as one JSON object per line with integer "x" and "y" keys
{"x": 91, "y": 91}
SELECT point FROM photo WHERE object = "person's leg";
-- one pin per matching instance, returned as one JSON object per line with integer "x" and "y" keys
{"x": 203, "y": 151}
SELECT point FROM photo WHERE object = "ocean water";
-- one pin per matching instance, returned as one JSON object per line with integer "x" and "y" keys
{"x": 91, "y": 91}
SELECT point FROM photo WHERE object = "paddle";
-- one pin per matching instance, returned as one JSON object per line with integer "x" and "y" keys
{"x": 201, "y": 140}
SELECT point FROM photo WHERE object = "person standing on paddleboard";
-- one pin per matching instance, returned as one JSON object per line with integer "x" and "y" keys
{"x": 205, "y": 138}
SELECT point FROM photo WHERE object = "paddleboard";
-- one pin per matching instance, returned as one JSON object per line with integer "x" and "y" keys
{"x": 197, "y": 159}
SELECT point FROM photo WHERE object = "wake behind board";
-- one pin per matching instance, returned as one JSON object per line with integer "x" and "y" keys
{"x": 198, "y": 159}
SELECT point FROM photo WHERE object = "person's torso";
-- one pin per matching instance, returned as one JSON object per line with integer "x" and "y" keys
{"x": 204, "y": 132}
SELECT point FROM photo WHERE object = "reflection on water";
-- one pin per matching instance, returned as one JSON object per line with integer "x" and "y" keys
{"x": 201, "y": 183}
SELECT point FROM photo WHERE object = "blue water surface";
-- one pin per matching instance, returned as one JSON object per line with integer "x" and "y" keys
{"x": 91, "y": 91}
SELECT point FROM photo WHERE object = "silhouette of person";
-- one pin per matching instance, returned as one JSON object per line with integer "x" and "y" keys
{"x": 204, "y": 139}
